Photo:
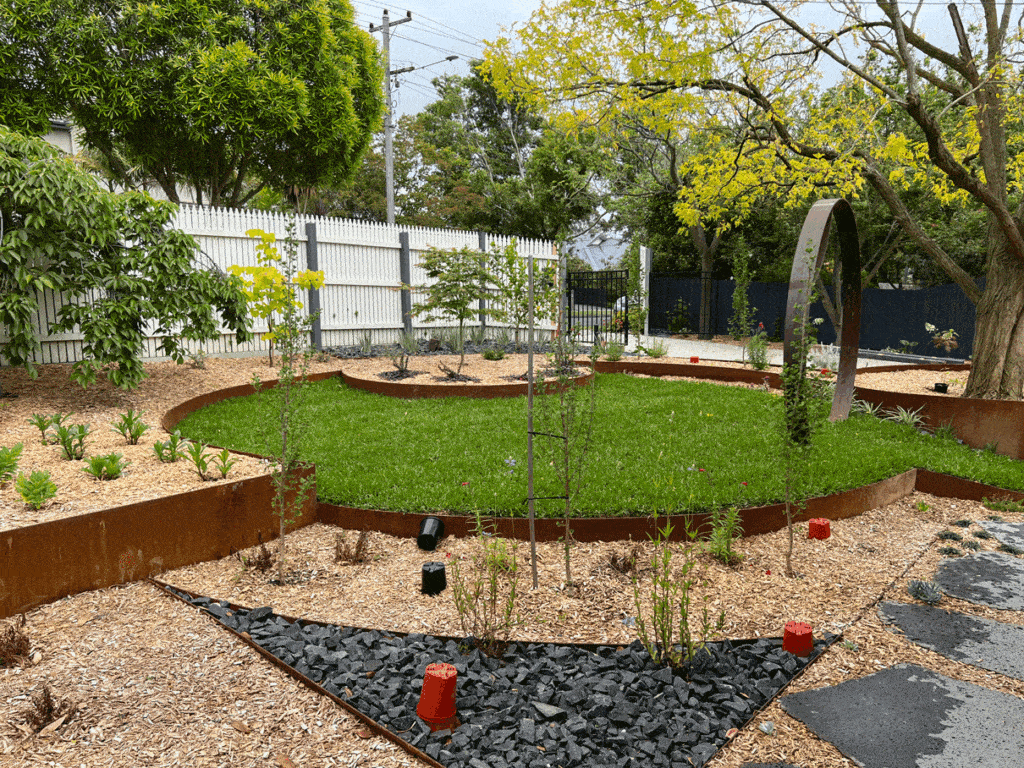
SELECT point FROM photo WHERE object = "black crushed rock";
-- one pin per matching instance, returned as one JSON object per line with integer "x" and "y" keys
{"x": 540, "y": 704}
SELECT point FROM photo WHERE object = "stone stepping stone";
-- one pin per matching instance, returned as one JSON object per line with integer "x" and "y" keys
{"x": 984, "y": 578}
{"x": 911, "y": 717}
{"x": 979, "y": 642}
{"x": 1006, "y": 533}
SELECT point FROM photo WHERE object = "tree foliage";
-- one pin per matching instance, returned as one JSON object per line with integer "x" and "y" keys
{"x": 112, "y": 257}
{"x": 224, "y": 97}
{"x": 908, "y": 118}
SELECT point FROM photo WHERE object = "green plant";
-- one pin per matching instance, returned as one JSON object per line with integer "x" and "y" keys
{"x": 971, "y": 544}
{"x": 942, "y": 339}
{"x": 9, "y": 462}
{"x": 42, "y": 423}
{"x": 222, "y": 462}
{"x": 725, "y": 528}
{"x": 172, "y": 449}
{"x": 669, "y": 633}
{"x": 982, "y": 534}
{"x": 906, "y": 417}
{"x": 261, "y": 560}
{"x": 868, "y": 409}
{"x": 400, "y": 359}
{"x": 14, "y": 643}
{"x": 200, "y": 459}
{"x": 46, "y": 710}
{"x": 742, "y": 319}
{"x": 627, "y": 561}
{"x": 613, "y": 350}
{"x": 922, "y": 507}
{"x": 36, "y": 489}
{"x": 512, "y": 295}
{"x": 949, "y": 536}
{"x": 1011, "y": 549}
{"x": 366, "y": 344}
{"x": 950, "y": 552}
{"x": 1002, "y": 505}
{"x": 131, "y": 427}
{"x": 459, "y": 277}
{"x": 493, "y": 354}
{"x": 108, "y": 467}
{"x": 486, "y": 605}
{"x": 72, "y": 441}
{"x": 757, "y": 349}
{"x": 962, "y": 523}
{"x": 850, "y": 645}
{"x": 347, "y": 554}
{"x": 925, "y": 591}
{"x": 679, "y": 317}
{"x": 409, "y": 343}
{"x": 658, "y": 348}
{"x": 478, "y": 335}
{"x": 945, "y": 432}
{"x": 501, "y": 338}
{"x": 197, "y": 359}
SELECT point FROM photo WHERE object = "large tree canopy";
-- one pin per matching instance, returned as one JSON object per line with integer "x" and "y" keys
{"x": 915, "y": 121}
{"x": 111, "y": 256}
{"x": 223, "y": 96}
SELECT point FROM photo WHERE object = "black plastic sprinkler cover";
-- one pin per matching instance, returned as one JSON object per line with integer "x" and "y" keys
{"x": 941, "y": 387}
{"x": 431, "y": 533}
{"x": 435, "y": 580}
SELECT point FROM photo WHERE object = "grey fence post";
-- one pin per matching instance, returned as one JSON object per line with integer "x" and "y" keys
{"x": 405, "y": 275}
{"x": 646, "y": 257}
{"x": 482, "y": 244}
{"x": 312, "y": 263}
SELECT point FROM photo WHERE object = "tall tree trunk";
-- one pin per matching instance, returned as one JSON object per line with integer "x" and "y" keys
{"x": 997, "y": 370}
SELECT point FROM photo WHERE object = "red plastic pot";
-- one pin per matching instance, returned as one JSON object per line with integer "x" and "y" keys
{"x": 798, "y": 638}
{"x": 819, "y": 528}
{"x": 437, "y": 698}
{"x": 694, "y": 359}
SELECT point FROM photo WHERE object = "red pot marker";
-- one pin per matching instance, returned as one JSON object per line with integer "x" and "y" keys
{"x": 819, "y": 528}
{"x": 798, "y": 638}
{"x": 694, "y": 359}
{"x": 437, "y": 698}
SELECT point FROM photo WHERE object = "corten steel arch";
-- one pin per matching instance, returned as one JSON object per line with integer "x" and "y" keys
{"x": 810, "y": 253}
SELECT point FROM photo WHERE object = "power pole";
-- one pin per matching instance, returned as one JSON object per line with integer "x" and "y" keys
{"x": 389, "y": 160}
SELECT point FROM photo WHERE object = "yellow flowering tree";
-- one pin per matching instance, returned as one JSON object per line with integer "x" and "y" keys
{"x": 904, "y": 116}
{"x": 269, "y": 290}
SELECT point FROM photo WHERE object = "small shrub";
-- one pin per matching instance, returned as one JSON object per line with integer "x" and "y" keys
{"x": 945, "y": 432}
{"x": 131, "y": 427}
{"x": 485, "y": 604}
{"x": 950, "y": 552}
{"x": 657, "y": 349}
{"x": 906, "y": 417}
{"x": 478, "y": 335}
{"x": 499, "y": 555}
{"x": 14, "y": 643}
{"x": 949, "y": 536}
{"x": 627, "y": 561}
{"x": 725, "y": 528}
{"x": 757, "y": 349}
{"x": 962, "y": 523}
{"x": 982, "y": 534}
{"x": 400, "y": 359}
{"x": 262, "y": 560}
{"x": 347, "y": 554}
{"x": 9, "y": 462}
{"x": 926, "y": 591}
{"x": 200, "y": 459}
{"x": 922, "y": 506}
{"x": 1011, "y": 549}
{"x": 971, "y": 544}
{"x": 492, "y": 353}
{"x": 42, "y": 423}
{"x": 613, "y": 351}
{"x": 46, "y": 710}
{"x": 995, "y": 518}
{"x": 72, "y": 441}
{"x": 171, "y": 450}
{"x": 197, "y": 359}
{"x": 366, "y": 344}
{"x": 1002, "y": 505}
{"x": 868, "y": 409}
{"x": 222, "y": 462}
{"x": 36, "y": 489}
{"x": 108, "y": 467}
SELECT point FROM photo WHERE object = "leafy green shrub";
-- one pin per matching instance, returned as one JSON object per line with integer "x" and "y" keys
{"x": 493, "y": 354}
{"x": 906, "y": 417}
{"x": 725, "y": 528}
{"x": 926, "y": 591}
{"x": 962, "y": 523}
{"x": 197, "y": 452}
{"x": 222, "y": 462}
{"x": 72, "y": 441}
{"x": 949, "y": 536}
{"x": 971, "y": 544}
{"x": 42, "y": 423}
{"x": 950, "y": 552}
{"x": 613, "y": 350}
{"x": 657, "y": 349}
{"x": 172, "y": 449}
{"x": 485, "y": 613}
{"x": 982, "y": 534}
{"x": 1011, "y": 549}
{"x": 36, "y": 489}
{"x": 9, "y": 462}
{"x": 1002, "y": 505}
{"x": 108, "y": 467}
{"x": 131, "y": 427}
{"x": 757, "y": 349}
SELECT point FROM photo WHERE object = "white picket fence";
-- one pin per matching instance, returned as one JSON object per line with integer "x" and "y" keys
{"x": 361, "y": 262}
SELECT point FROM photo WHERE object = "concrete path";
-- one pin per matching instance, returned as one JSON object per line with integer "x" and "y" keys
{"x": 710, "y": 350}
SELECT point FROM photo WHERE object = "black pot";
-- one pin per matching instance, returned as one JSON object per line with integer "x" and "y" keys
{"x": 942, "y": 387}
{"x": 435, "y": 580}
{"x": 431, "y": 533}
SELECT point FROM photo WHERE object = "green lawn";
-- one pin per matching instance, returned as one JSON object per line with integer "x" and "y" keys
{"x": 658, "y": 446}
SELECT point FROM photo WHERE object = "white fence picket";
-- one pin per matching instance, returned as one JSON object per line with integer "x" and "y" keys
{"x": 360, "y": 261}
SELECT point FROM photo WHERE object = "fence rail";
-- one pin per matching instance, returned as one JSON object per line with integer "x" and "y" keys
{"x": 362, "y": 264}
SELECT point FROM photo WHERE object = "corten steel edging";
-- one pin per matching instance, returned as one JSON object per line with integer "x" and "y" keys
{"x": 170, "y": 419}
{"x": 418, "y": 391}
{"x": 950, "y": 487}
{"x": 380, "y": 730}
{"x": 372, "y": 724}
{"x": 755, "y": 520}
{"x": 691, "y": 370}
{"x": 47, "y": 561}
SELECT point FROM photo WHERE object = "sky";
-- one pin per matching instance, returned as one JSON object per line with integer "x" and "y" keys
{"x": 438, "y": 30}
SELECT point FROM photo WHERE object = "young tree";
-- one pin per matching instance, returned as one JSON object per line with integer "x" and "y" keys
{"x": 511, "y": 279}
{"x": 744, "y": 75}
{"x": 114, "y": 259}
{"x": 225, "y": 97}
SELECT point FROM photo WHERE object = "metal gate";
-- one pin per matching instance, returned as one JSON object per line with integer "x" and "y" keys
{"x": 597, "y": 305}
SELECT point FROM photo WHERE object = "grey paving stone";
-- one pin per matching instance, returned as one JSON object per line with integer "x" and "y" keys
{"x": 1006, "y": 533}
{"x": 985, "y": 578}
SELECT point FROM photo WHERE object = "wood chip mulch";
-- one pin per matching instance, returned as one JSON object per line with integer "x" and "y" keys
{"x": 157, "y": 683}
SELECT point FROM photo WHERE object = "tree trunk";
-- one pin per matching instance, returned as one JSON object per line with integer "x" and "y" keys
{"x": 997, "y": 369}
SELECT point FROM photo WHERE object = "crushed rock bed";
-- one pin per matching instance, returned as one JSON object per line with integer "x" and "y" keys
{"x": 539, "y": 704}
